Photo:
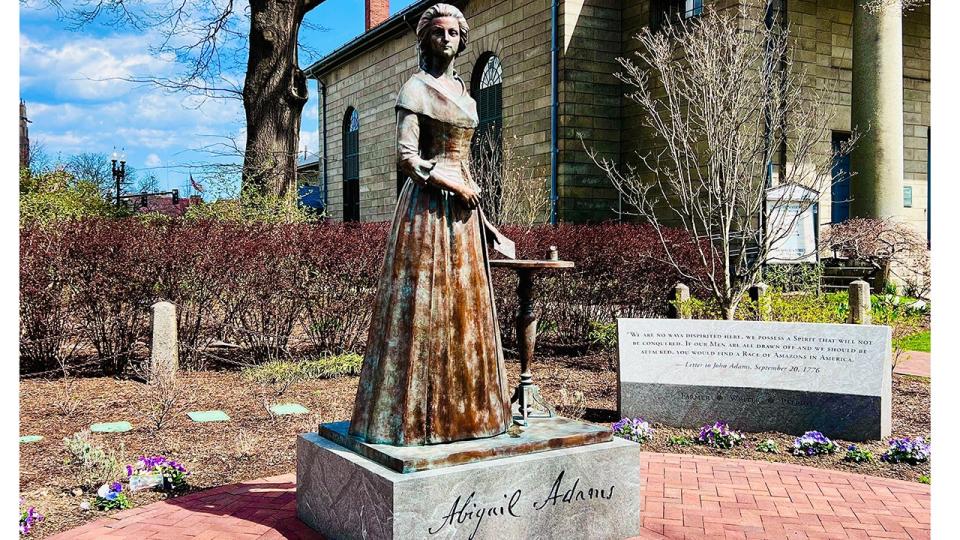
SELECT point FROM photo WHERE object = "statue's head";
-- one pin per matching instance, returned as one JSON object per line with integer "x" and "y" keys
{"x": 442, "y": 31}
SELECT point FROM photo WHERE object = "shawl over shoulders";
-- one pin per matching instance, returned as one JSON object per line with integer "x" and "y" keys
{"x": 421, "y": 94}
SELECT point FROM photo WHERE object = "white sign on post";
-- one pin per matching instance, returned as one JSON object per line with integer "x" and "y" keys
{"x": 791, "y": 225}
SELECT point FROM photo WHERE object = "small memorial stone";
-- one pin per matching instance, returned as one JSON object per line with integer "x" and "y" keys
{"x": 111, "y": 427}
{"x": 208, "y": 416}
{"x": 858, "y": 294}
{"x": 281, "y": 409}
{"x": 758, "y": 376}
{"x": 164, "y": 352}
{"x": 30, "y": 438}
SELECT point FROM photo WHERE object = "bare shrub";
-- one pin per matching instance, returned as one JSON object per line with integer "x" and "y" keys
{"x": 112, "y": 273}
{"x": 894, "y": 247}
{"x": 92, "y": 465}
{"x": 722, "y": 100}
{"x": 48, "y": 336}
{"x": 511, "y": 193}
{"x": 164, "y": 395}
{"x": 67, "y": 399}
{"x": 244, "y": 445}
{"x": 344, "y": 263}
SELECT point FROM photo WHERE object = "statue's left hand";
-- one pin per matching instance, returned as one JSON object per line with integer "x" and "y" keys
{"x": 469, "y": 196}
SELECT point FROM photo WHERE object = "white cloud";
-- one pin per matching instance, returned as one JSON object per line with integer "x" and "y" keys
{"x": 153, "y": 160}
{"x": 89, "y": 69}
{"x": 68, "y": 141}
{"x": 148, "y": 138}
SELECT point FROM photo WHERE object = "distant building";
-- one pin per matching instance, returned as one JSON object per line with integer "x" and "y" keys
{"x": 163, "y": 204}
{"x": 24, "y": 136}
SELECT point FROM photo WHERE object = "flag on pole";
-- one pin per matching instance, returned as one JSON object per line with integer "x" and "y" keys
{"x": 195, "y": 185}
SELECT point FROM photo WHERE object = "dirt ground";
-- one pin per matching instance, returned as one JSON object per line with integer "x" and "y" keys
{"x": 252, "y": 444}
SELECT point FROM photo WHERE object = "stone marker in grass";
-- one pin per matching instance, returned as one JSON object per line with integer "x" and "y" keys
{"x": 30, "y": 438}
{"x": 208, "y": 416}
{"x": 281, "y": 409}
{"x": 111, "y": 427}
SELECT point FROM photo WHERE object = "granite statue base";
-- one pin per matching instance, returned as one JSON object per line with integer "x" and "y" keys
{"x": 589, "y": 492}
{"x": 538, "y": 435}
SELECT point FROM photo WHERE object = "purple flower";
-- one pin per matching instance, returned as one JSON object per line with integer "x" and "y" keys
{"x": 812, "y": 443}
{"x": 636, "y": 429}
{"x": 907, "y": 450}
{"x": 719, "y": 435}
{"x": 28, "y": 518}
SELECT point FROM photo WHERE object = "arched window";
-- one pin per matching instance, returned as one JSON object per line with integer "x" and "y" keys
{"x": 487, "y": 90}
{"x": 487, "y": 82}
{"x": 351, "y": 165}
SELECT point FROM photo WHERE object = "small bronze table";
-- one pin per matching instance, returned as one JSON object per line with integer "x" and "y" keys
{"x": 527, "y": 394}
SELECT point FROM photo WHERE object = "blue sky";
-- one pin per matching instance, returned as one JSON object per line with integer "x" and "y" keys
{"x": 74, "y": 107}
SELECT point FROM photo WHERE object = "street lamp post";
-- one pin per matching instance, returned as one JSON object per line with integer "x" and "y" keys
{"x": 118, "y": 172}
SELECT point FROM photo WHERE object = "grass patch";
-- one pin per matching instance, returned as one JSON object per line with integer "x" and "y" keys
{"x": 285, "y": 371}
{"x": 915, "y": 342}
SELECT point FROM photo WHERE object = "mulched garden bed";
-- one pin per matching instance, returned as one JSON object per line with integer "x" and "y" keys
{"x": 252, "y": 444}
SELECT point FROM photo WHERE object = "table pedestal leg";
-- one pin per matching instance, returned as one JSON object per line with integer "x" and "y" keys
{"x": 527, "y": 395}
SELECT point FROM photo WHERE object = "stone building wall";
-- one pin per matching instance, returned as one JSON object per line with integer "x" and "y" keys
{"x": 368, "y": 83}
{"x": 823, "y": 32}
{"x": 518, "y": 31}
{"x": 593, "y": 33}
{"x": 590, "y": 99}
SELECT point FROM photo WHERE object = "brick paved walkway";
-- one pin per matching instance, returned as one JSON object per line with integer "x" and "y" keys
{"x": 685, "y": 497}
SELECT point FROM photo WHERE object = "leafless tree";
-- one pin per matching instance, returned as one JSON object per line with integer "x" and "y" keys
{"x": 92, "y": 166}
{"x": 511, "y": 192}
{"x": 722, "y": 100}
{"x": 147, "y": 183}
{"x": 229, "y": 49}
{"x": 39, "y": 161}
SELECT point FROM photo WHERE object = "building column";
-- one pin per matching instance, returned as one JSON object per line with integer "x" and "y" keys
{"x": 877, "y": 111}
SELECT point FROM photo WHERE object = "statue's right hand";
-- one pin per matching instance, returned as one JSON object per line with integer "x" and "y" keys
{"x": 423, "y": 175}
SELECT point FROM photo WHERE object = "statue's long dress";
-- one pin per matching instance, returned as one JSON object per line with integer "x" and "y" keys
{"x": 433, "y": 371}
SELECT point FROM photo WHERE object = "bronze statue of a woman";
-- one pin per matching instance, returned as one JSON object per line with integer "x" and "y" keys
{"x": 433, "y": 371}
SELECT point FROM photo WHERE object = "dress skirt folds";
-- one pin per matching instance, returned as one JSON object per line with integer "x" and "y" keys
{"x": 433, "y": 371}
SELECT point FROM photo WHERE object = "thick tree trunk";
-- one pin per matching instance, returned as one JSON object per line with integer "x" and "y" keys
{"x": 274, "y": 94}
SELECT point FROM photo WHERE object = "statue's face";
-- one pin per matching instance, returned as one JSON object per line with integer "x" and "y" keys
{"x": 444, "y": 37}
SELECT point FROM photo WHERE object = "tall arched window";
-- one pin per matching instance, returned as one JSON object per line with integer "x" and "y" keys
{"x": 487, "y": 82}
{"x": 487, "y": 90}
{"x": 351, "y": 165}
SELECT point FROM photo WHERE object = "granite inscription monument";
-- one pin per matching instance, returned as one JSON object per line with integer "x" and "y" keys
{"x": 758, "y": 376}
